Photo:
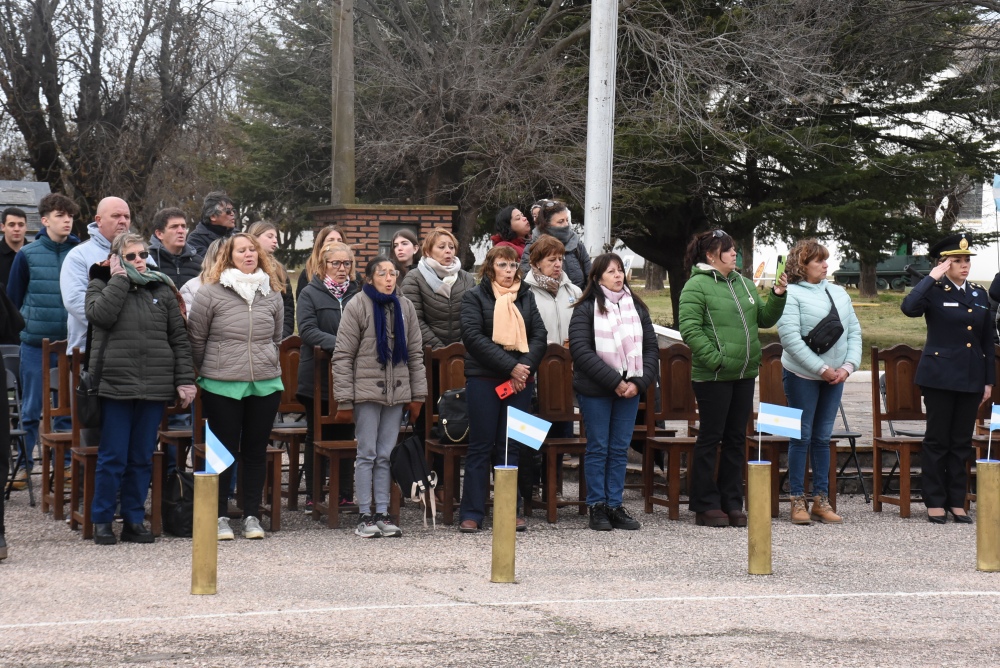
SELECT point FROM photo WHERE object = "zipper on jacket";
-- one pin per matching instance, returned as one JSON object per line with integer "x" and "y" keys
{"x": 250, "y": 339}
{"x": 746, "y": 328}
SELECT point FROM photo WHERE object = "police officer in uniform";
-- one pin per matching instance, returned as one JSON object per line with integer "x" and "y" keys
{"x": 955, "y": 374}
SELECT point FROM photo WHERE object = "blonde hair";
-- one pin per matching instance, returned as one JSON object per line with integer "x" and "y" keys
{"x": 432, "y": 238}
{"x": 224, "y": 260}
{"x": 126, "y": 239}
{"x": 337, "y": 247}
{"x": 313, "y": 265}
{"x": 258, "y": 229}
{"x": 211, "y": 257}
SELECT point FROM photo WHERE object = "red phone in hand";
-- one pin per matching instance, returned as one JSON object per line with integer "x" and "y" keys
{"x": 505, "y": 390}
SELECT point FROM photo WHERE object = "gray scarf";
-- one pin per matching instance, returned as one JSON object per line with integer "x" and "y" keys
{"x": 439, "y": 277}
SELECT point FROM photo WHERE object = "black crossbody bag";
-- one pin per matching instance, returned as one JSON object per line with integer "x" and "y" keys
{"x": 88, "y": 404}
{"x": 827, "y": 331}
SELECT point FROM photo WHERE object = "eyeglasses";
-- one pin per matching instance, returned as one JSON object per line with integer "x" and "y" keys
{"x": 337, "y": 264}
{"x": 392, "y": 272}
{"x": 227, "y": 211}
{"x": 718, "y": 233}
{"x": 131, "y": 256}
{"x": 504, "y": 266}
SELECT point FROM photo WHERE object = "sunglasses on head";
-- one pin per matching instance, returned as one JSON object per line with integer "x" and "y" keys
{"x": 131, "y": 256}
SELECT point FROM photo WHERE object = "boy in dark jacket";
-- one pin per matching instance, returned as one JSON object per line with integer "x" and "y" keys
{"x": 34, "y": 290}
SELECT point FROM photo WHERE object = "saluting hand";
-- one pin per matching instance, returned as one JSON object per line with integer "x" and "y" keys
{"x": 941, "y": 269}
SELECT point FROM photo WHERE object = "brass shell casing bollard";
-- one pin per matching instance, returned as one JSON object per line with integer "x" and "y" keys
{"x": 987, "y": 515}
{"x": 504, "y": 522}
{"x": 759, "y": 518}
{"x": 205, "y": 534}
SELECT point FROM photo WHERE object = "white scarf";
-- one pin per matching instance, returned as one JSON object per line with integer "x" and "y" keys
{"x": 618, "y": 333}
{"x": 246, "y": 285}
{"x": 439, "y": 277}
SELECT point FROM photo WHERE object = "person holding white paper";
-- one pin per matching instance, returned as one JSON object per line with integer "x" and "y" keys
{"x": 615, "y": 359}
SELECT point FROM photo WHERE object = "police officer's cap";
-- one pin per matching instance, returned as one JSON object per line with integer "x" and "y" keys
{"x": 955, "y": 244}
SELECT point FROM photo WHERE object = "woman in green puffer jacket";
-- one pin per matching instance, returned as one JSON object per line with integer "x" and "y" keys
{"x": 720, "y": 313}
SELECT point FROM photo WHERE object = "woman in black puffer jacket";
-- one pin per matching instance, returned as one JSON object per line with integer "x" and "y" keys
{"x": 615, "y": 359}
{"x": 504, "y": 340}
{"x": 141, "y": 354}
{"x": 321, "y": 306}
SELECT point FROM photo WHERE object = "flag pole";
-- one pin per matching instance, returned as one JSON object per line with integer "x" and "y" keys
{"x": 989, "y": 444}
{"x": 760, "y": 436}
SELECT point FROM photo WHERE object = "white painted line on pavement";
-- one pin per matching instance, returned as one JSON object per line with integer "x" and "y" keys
{"x": 510, "y": 604}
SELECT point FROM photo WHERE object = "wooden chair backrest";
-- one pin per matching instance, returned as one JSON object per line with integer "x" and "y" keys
{"x": 445, "y": 369}
{"x": 902, "y": 395}
{"x": 555, "y": 386}
{"x": 772, "y": 388}
{"x": 323, "y": 412}
{"x": 288, "y": 354}
{"x": 76, "y": 365}
{"x": 677, "y": 400}
{"x": 986, "y": 410}
{"x": 56, "y": 379}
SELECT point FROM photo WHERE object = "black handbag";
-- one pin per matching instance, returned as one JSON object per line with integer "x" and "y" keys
{"x": 88, "y": 404}
{"x": 827, "y": 331}
{"x": 178, "y": 504}
{"x": 453, "y": 418}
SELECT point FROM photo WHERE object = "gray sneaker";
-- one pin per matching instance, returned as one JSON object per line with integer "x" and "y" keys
{"x": 388, "y": 528}
{"x": 367, "y": 528}
{"x": 225, "y": 531}
{"x": 252, "y": 528}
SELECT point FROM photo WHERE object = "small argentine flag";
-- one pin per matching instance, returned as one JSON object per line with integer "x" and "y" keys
{"x": 780, "y": 420}
{"x": 526, "y": 428}
{"x": 995, "y": 417}
{"x": 996, "y": 190}
{"x": 217, "y": 457}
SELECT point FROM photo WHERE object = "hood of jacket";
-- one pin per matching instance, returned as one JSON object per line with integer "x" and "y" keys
{"x": 97, "y": 238}
{"x": 572, "y": 241}
{"x": 72, "y": 239}
{"x": 156, "y": 245}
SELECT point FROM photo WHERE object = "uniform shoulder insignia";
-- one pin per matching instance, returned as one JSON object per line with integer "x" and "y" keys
{"x": 947, "y": 288}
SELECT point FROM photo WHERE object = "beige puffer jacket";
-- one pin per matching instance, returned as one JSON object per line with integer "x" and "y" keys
{"x": 357, "y": 374}
{"x": 232, "y": 340}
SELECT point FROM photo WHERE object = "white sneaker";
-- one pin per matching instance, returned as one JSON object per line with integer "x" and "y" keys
{"x": 252, "y": 528}
{"x": 388, "y": 528}
{"x": 225, "y": 531}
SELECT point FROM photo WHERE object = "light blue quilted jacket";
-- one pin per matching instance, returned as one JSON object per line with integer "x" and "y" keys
{"x": 806, "y": 305}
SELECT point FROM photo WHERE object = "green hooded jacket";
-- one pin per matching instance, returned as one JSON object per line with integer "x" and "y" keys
{"x": 719, "y": 318}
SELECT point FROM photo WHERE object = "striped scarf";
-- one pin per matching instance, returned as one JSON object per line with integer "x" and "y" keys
{"x": 618, "y": 333}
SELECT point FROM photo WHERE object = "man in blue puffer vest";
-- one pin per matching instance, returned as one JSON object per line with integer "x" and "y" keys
{"x": 34, "y": 290}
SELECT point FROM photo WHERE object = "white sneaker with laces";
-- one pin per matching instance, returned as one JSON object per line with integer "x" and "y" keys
{"x": 252, "y": 528}
{"x": 225, "y": 531}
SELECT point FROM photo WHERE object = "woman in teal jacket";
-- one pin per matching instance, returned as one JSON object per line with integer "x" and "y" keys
{"x": 814, "y": 382}
{"x": 720, "y": 313}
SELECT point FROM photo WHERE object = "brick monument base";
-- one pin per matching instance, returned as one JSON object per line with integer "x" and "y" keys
{"x": 364, "y": 226}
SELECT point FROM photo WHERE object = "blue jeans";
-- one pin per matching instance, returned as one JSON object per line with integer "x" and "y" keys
{"x": 125, "y": 458}
{"x": 819, "y": 402}
{"x": 31, "y": 399}
{"x": 609, "y": 422}
{"x": 487, "y": 439}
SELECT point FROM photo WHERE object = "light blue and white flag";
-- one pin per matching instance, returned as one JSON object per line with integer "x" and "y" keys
{"x": 217, "y": 457}
{"x": 996, "y": 190}
{"x": 526, "y": 428}
{"x": 780, "y": 420}
{"x": 995, "y": 417}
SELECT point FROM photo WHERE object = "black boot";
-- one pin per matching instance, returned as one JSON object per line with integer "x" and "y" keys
{"x": 599, "y": 517}
{"x": 136, "y": 533}
{"x": 103, "y": 535}
{"x": 620, "y": 519}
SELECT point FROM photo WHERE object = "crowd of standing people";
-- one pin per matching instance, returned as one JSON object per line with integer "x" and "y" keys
{"x": 202, "y": 314}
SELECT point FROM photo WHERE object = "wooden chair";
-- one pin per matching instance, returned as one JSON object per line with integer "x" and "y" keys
{"x": 556, "y": 404}
{"x": 57, "y": 401}
{"x": 772, "y": 391}
{"x": 677, "y": 402}
{"x": 902, "y": 402}
{"x": 181, "y": 439}
{"x": 445, "y": 368}
{"x": 981, "y": 439}
{"x": 290, "y": 433}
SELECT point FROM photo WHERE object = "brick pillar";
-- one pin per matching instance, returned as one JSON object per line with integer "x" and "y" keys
{"x": 359, "y": 223}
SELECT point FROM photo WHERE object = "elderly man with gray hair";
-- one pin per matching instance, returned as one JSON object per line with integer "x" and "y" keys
{"x": 218, "y": 221}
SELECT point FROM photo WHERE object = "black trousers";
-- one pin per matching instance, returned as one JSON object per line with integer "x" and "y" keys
{"x": 331, "y": 432}
{"x": 4, "y": 445}
{"x": 724, "y": 408}
{"x": 244, "y": 427}
{"x": 947, "y": 446}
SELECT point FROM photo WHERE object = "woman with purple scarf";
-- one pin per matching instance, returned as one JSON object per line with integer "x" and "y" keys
{"x": 615, "y": 358}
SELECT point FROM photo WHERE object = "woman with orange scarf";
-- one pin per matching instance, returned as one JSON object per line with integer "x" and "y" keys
{"x": 504, "y": 339}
